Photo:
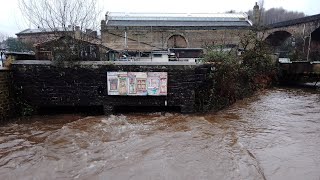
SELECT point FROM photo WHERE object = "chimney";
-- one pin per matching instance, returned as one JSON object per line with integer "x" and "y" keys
{"x": 91, "y": 33}
{"x": 103, "y": 24}
{"x": 88, "y": 31}
{"x": 95, "y": 34}
{"x": 256, "y": 14}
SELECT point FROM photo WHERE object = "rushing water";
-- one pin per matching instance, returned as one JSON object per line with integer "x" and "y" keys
{"x": 273, "y": 135}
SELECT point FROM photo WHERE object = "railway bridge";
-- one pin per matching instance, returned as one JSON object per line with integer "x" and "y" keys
{"x": 300, "y": 36}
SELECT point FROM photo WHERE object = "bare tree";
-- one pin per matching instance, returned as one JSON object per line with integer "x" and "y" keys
{"x": 55, "y": 14}
{"x": 275, "y": 15}
{"x": 64, "y": 18}
{"x": 3, "y": 37}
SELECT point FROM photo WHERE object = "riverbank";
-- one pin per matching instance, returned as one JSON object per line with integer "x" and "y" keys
{"x": 271, "y": 135}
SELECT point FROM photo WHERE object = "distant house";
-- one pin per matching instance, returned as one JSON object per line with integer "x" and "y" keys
{"x": 70, "y": 41}
{"x": 11, "y": 56}
{"x": 76, "y": 49}
{"x": 33, "y": 36}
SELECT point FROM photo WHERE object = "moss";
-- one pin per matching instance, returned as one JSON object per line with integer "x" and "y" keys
{"x": 23, "y": 108}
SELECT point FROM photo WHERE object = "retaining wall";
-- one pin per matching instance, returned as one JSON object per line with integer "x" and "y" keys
{"x": 42, "y": 84}
{"x": 5, "y": 94}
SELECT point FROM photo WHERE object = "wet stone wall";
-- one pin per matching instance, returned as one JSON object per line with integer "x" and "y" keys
{"x": 5, "y": 103}
{"x": 43, "y": 84}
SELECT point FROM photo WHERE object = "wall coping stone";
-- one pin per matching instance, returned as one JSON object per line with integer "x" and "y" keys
{"x": 123, "y": 63}
{"x": 48, "y": 62}
{"x": 4, "y": 69}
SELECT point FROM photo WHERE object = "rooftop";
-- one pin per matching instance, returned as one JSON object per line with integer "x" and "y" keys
{"x": 177, "y": 19}
{"x": 178, "y": 16}
{"x": 96, "y": 64}
{"x": 41, "y": 30}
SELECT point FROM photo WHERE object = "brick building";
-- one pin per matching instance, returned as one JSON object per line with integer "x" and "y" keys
{"x": 40, "y": 35}
{"x": 45, "y": 40}
{"x": 156, "y": 31}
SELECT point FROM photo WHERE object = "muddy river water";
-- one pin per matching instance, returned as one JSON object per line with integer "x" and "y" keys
{"x": 273, "y": 135}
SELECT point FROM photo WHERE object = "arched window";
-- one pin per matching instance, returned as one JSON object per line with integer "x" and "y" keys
{"x": 177, "y": 41}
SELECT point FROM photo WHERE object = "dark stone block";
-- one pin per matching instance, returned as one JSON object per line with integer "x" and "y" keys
{"x": 49, "y": 85}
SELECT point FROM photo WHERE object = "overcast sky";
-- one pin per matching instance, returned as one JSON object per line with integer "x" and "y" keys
{"x": 11, "y": 21}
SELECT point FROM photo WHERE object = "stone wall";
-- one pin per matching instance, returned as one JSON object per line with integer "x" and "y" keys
{"x": 154, "y": 39}
{"x": 299, "y": 72}
{"x": 297, "y": 30}
{"x": 44, "y": 85}
{"x": 5, "y": 100}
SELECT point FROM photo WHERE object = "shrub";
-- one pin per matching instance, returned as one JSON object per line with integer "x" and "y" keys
{"x": 235, "y": 77}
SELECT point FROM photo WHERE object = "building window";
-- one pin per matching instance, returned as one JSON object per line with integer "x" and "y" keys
{"x": 157, "y": 55}
{"x": 177, "y": 41}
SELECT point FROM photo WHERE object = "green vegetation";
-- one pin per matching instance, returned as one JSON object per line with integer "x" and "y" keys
{"x": 14, "y": 44}
{"x": 23, "y": 107}
{"x": 235, "y": 77}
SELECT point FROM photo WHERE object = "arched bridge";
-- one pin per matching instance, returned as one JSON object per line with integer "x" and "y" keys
{"x": 299, "y": 36}
{"x": 297, "y": 42}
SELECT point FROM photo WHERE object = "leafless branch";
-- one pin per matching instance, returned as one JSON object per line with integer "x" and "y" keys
{"x": 64, "y": 18}
{"x": 56, "y": 15}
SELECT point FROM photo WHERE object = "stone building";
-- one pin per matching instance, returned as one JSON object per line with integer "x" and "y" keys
{"x": 40, "y": 35}
{"x": 45, "y": 40}
{"x": 156, "y": 31}
{"x": 77, "y": 49}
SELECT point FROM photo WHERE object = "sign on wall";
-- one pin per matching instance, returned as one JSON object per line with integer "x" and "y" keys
{"x": 137, "y": 83}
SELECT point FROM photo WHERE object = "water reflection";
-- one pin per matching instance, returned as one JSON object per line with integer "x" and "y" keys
{"x": 274, "y": 135}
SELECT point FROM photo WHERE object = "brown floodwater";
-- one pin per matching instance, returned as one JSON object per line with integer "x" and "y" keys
{"x": 273, "y": 135}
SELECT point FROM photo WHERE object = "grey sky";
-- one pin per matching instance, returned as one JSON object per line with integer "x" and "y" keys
{"x": 12, "y": 22}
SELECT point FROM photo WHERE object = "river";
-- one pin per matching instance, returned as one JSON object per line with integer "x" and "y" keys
{"x": 273, "y": 135}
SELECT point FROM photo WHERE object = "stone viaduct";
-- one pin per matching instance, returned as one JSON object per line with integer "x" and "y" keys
{"x": 143, "y": 32}
{"x": 303, "y": 31}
